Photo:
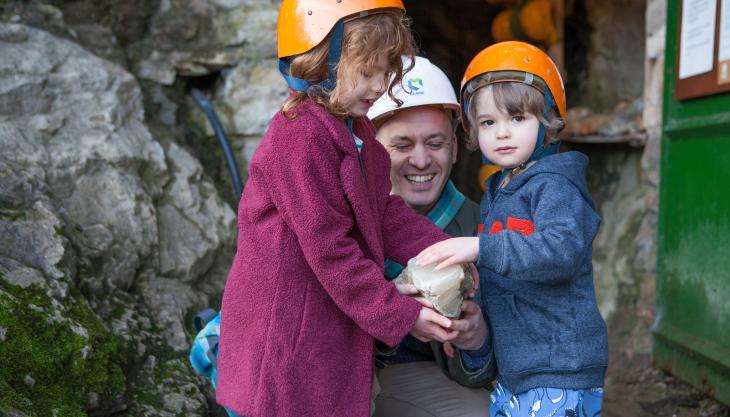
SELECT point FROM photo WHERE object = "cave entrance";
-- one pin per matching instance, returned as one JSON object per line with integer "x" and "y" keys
{"x": 598, "y": 45}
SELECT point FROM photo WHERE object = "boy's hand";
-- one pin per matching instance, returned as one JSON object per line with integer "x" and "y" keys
{"x": 431, "y": 325}
{"x": 458, "y": 250}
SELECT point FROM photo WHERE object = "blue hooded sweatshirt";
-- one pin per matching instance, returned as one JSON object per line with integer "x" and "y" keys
{"x": 536, "y": 276}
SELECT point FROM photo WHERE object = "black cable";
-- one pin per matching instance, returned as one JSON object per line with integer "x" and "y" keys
{"x": 205, "y": 105}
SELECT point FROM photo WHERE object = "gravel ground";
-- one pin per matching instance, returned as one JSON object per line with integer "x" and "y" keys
{"x": 647, "y": 392}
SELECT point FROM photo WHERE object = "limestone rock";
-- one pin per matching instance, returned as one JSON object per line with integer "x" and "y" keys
{"x": 250, "y": 95}
{"x": 91, "y": 203}
{"x": 445, "y": 289}
{"x": 199, "y": 37}
{"x": 193, "y": 221}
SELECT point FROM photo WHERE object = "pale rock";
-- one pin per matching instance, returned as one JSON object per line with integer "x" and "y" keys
{"x": 445, "y": 289}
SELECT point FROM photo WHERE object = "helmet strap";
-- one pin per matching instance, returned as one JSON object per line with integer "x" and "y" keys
{"x": 334, "y": 55}
{"x": 299, "y": 84}
{"x": 296, "y": 84}
{"x": 540, "y": 150}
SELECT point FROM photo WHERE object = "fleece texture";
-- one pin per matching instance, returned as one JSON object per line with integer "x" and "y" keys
{"x": 536, "y": 274}
{"x": 306, "y": 297}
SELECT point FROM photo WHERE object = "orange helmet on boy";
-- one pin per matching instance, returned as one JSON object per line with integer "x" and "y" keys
{"x": 516, "y": 62}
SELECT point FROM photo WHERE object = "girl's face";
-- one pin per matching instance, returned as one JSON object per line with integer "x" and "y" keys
{"x": 366, "y": 88}
{"x": 506, "y": 140}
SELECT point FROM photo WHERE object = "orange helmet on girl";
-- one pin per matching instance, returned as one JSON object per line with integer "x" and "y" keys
{"x": 304, "y": 24}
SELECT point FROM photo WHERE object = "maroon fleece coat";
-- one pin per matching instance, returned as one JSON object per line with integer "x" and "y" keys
{"x": 306, "y": 298}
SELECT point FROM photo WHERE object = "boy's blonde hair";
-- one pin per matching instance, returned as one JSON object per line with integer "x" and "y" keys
{"x": 364, "y": 39}
{"x": 514, "y": 98}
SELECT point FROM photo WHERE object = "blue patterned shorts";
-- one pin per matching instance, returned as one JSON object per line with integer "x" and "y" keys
{"x": 546, "y": 402}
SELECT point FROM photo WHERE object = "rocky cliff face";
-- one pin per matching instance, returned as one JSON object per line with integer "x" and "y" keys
{"x": 112, "y": 231}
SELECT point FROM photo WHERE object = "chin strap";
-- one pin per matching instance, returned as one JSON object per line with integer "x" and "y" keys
{"x": 299, "y": 84}
{"x": 542, "y": 151}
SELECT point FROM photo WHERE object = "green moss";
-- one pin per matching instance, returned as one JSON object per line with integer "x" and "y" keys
{"x": 49, "y": 352}
{"x": 118, "y": 311}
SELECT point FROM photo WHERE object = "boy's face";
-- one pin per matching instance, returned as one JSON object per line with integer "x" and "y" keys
{"x": 506, "y": 140}
{"x": 366, "y": 88}
{"x": 422, "y": 150}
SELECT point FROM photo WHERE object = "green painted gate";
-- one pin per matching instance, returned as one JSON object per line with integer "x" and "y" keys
{"x": 692, "y": 329}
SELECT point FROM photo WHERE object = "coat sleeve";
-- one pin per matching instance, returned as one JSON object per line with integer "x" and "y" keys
{"x": 405, "y": 233}
{"x": 565, "y": 224}
{"x": 306, "y": 188}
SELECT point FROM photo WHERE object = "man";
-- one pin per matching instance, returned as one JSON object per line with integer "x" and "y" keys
{"x": 420, "y": 379}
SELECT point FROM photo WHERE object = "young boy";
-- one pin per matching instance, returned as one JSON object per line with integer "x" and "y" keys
{"x": 534, "y": 251}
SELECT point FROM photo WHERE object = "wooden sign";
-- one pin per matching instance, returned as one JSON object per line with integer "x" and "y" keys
{"x": 703, "y": 59}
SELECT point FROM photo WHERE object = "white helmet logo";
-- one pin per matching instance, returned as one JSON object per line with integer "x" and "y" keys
{"x": 412, "y": 90}
{"x": 416, "y": 86}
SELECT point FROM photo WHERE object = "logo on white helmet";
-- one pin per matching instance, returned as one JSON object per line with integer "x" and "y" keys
{"x": 415, "y": 85}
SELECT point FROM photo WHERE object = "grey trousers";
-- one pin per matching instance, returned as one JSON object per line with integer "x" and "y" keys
{"x": 420, "y": 389}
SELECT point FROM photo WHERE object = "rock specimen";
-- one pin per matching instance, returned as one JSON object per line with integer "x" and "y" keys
{"x": 445, "y": 289}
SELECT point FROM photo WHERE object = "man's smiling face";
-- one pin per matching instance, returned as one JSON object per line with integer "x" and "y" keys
{"x": 422, "y": 148}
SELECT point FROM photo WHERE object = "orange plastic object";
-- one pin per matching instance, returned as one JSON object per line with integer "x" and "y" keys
{"x": 303, "y": 24}
{"x": 535, "y": 20}
{"x": 484, "y": 172}
{"x": 500, "y": 27}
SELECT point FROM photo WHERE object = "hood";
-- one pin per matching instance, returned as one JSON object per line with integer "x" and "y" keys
{"x": 571, "y": 165}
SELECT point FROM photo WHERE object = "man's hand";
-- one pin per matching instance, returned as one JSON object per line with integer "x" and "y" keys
{"x": 475, "y": 275}
{"x": 449, "y": 350}
{"x": 458, "y": 250}
{"x": 471, "y": 329}
{"x": 431, "y": 325}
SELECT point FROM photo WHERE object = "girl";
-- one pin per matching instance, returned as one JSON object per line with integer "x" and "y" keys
{"x": 534, "y": 253}
{"x": 306, "y": 298}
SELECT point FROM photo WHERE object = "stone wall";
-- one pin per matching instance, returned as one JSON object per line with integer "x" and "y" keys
{"x": 604, "y": 52}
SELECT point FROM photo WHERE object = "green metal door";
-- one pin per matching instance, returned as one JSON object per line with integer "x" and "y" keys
{"x": 692, "y": 328}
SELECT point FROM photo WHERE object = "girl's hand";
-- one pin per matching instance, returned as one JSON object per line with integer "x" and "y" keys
{"x": 459, "y": 250}
{"x": 412, "y": 291}
{"x": 407, "y": 289}
{"x": 431, "y": 325}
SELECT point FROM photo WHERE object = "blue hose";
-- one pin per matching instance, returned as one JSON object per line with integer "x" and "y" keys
{"x": 205, "y": 105}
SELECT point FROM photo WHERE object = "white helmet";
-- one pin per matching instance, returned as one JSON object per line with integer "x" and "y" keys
{"x": 423, "y": 85}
